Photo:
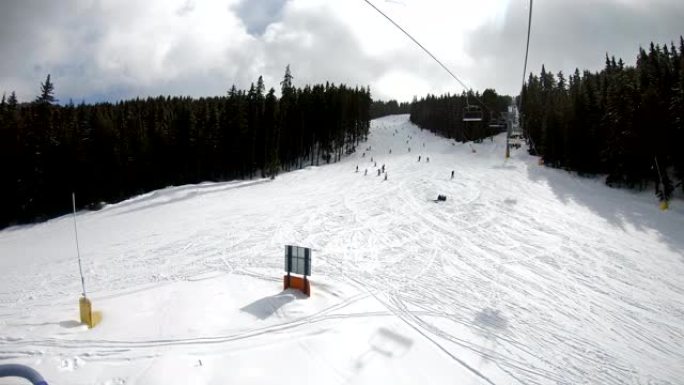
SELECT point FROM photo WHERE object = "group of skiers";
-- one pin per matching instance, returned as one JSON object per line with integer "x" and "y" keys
{"x": 381, "y": 170}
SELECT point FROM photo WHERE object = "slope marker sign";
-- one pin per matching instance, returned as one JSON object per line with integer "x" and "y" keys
{"x": 297, "y": 261}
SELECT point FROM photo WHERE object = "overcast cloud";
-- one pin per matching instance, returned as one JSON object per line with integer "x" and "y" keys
{"x": 114, "y": 49}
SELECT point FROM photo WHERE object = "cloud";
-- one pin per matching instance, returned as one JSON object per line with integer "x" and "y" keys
{"x": 259, "y": 14}
{"x": 112, "y": 49}
{"x": 186, "y": 8}
{"x": 570, "y": 34}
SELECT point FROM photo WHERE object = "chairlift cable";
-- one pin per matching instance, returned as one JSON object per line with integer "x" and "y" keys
{"x": 527, "y": 51}
{"x": 465, "y": 87}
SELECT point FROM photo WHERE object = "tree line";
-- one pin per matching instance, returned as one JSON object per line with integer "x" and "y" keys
{"x": 624, "y": 121}
{"x": 106, "y": 152}
{"x": 443, "y": 115}
{"x": 381, "y": 108}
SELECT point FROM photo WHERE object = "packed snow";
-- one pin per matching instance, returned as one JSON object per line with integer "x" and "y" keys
{"x": 524, "y": 275}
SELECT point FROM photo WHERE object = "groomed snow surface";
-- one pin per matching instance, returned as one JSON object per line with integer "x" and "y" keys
{"x": 524, "y": 275}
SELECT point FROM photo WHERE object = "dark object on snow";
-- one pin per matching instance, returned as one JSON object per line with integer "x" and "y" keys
{"x": 452, "y": 174}
{"x": 95, "y": 206}
{"x": 15, "y": 370}
{"x": 441, "y": 198}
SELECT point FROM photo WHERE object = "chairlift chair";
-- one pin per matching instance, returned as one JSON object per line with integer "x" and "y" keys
{"x": 472, "y": 114}
{"x": 498, "y": 124}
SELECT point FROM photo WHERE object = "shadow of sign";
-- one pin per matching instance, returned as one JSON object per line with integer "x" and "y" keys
{"x": 265, "y": 307}
{"x": 491, "y": 318}
{"x": 384, "y": 343}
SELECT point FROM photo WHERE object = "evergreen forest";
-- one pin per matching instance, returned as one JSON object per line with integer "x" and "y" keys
{"x": 443, "y": 115}
{"x": 107, "y": 152}
{"x": 625, "y": 121}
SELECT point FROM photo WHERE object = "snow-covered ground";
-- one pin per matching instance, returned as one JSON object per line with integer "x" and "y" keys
{"x": 525, "y": 275}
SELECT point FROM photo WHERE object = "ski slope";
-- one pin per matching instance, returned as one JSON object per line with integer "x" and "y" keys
{"x": 524, "y": 275}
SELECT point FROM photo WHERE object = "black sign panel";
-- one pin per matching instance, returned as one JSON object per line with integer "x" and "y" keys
{"x": 298, "y": 260}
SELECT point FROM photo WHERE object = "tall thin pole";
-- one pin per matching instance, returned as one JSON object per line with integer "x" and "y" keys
{"x": 527, "y": 51}
{"x": 520, "y": 100}
{"x": 78, "y": 251}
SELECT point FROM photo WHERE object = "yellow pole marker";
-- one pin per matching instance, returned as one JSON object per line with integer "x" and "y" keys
{"x": 86, "y": 311}
{"x": 88, "y": 317}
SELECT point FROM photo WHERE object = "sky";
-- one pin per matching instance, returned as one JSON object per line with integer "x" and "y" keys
{"x": 108, "y": 50}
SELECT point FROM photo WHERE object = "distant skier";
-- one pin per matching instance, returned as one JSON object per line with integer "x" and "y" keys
{"x": 428, "y": 159}
{"x": 418, "y": 157}
{"x": 385, "y": 176}
{"x": 363, "y": 155}
{"x": 375, "y": 164}
{"x": 371, "y": 158}
{"x": 390, "y": 150}
{"x": 452, "y": 174}
{"x": 357, "y": 168}
{"x": 365, "y": 172}
{"x": 378, "y": 172}
{"x": 383, "y": 168}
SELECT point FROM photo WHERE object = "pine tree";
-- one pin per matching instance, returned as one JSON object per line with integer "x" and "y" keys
{"x": 12, "y": 101}
{"x": 286, "y": 84}
{"x": 47, "y": 90}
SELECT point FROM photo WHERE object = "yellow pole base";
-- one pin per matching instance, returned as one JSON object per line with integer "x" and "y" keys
{"x": 664, "y": 205}
{"x": 86, "y": 311}
{"x": 88, "y": 316}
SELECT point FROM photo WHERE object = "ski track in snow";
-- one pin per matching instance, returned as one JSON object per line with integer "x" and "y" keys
{"x": 525, "y": 275}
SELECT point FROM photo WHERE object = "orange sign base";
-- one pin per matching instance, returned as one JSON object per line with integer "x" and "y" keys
{"x": 303, "y": 284}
